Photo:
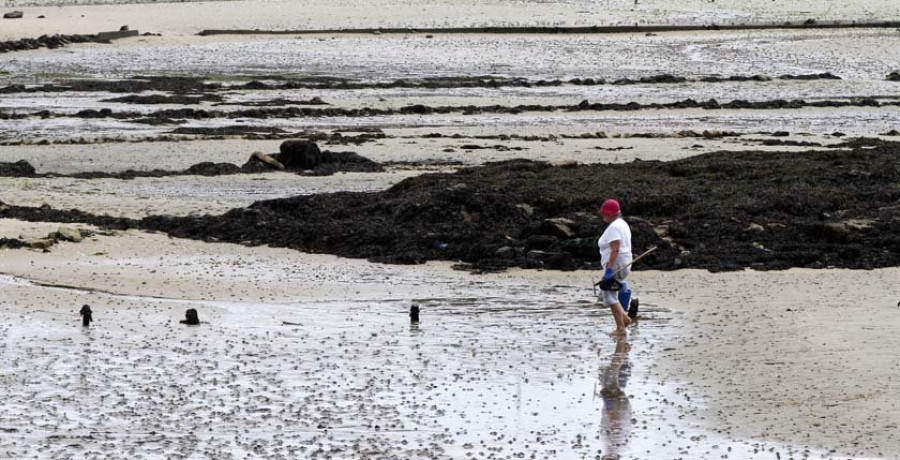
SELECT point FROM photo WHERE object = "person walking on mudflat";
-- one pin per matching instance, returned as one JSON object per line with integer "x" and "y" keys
{"x": 615, "y": 255}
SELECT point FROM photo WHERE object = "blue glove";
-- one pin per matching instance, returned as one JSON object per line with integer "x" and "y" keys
{"x": 608, "y": 274}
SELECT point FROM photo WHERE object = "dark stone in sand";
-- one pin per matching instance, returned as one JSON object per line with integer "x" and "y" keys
{"x": 12, "y": 243}
{"x": 191, "y": 317}
{"x": 213, "y": 169}
{"x": 87, "y": 316}
{"x": 300, "y": 155}
{"x": 306, "y": 156}
{"x": 13, "y": 15}
{"x": 20, "y": 168}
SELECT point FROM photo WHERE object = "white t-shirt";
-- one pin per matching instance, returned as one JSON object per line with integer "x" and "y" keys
{"x": 618, "y": 230}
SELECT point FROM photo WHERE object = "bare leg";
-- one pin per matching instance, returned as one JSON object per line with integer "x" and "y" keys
{"x": 621, "y": 318}
{"x": 619, "y": 310}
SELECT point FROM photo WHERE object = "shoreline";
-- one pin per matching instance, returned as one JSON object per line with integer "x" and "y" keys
{"x": 581, "y": 30}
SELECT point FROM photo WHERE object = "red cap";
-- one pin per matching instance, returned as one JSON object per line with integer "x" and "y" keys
{"x": 610, "y": 208}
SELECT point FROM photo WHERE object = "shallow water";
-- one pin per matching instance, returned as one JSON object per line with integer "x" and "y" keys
{"x": 496, "y": 376}
{"x": 859, "y": 54}
{"x": 862, "y": 58}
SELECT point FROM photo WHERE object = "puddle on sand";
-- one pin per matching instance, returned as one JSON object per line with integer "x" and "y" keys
{"x": 493, "y": 377}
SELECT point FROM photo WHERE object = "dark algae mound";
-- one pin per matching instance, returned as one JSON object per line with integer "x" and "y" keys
{"x": 717, "y": 211}
{"x": 420, "y": 109}
{"x": 178, "y": 99}
{"x": 20, "y": 168}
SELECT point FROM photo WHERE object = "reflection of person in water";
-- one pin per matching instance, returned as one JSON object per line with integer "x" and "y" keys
{"x": 616, "y": 421}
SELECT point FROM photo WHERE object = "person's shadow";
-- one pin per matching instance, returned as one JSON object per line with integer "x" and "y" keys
{"x": 616, "y": 422}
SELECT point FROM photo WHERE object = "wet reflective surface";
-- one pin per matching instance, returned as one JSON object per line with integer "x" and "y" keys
{"x": 513, "y": 371}
{"x": 616, "y": 405}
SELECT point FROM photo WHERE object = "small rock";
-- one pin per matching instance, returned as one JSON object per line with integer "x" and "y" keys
{"x": 191, "y": 318}
{"x": 662, "y": 231}
{"x": 69, "y": 234}
{"x": 567, "y": 164}
{"x": 560, "y": 227}
{"x": 755, "y": 228}
{"x": 13, "y": 15}
{"x": 560, "y": 261}
{"x": 123, "y": 28}
{"x": 41, "y": 243}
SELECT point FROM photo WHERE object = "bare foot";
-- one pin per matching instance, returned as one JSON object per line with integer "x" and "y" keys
{"x": 628, "y": 321}
{"x": 619, "y": 332}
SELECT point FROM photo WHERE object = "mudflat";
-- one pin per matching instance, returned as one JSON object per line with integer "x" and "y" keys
{"x": 459, "y": 173}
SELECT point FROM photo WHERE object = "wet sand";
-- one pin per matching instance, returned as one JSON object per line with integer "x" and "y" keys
{"x": 182, "y": 18}
{"x": 742, "y": 365}
{"x": 715, "y": 366}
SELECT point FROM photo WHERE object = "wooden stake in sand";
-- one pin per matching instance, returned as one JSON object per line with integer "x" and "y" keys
{"x": 191, "y": 317}
{"x": 87, "y": 316}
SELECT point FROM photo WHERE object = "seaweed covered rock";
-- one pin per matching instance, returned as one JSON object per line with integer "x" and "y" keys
{"x": 306, "y": 157}
{"x": 300, "y": 155}
{"x": 209, "y": 168}
{"x": 716, "y": 211}
{"x": 532, "y": 214}
{"x": 20, "y": 168}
